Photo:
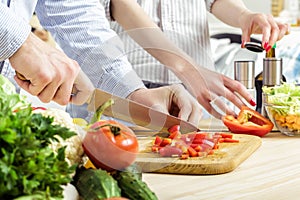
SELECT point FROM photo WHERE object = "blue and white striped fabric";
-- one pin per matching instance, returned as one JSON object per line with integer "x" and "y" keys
{"x": 184, "y": 22}
{"x": 83, "y": 33}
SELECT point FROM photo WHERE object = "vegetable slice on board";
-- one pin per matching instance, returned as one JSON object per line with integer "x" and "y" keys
{"x": 248, "y": 122}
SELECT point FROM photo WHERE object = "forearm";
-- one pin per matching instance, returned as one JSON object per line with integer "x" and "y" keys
{"x": 135, "y": 15}
{"x": 229, "y": 11}
{"x": 147, "y": 34}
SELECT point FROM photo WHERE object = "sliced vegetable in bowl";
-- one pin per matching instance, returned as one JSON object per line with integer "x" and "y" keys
{"x": 282, "y": 104}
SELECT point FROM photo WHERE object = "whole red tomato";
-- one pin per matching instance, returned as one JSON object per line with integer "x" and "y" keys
{"x": 110, "y": 145}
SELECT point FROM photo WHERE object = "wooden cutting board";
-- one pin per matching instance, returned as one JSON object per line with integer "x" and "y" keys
{"x": 225, "y": 159}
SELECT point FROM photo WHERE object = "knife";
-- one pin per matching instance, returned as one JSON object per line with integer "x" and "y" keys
{"x": 132, "y": 112}
{"x": 136, "y": 113}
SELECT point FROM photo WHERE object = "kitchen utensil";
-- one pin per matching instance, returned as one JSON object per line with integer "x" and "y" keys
{"x": 244, "y": 72}
{"x": 272, "y": 71}
{"x": 136, "y": 113}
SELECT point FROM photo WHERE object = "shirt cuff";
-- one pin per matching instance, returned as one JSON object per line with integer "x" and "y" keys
{"x": 121, "y": 83}
{"x": 14, "y": 32}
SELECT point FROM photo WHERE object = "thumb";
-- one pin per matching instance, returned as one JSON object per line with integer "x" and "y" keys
{"x": 245, "y": 37}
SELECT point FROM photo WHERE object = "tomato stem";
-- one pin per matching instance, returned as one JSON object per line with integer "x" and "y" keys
{"x": 113, "y": 128}
{"x": 100, "y": 110}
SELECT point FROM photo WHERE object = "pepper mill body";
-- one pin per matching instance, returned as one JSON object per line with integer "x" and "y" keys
{"x": 244, "y": 73}
{"x": 270, "y": 76}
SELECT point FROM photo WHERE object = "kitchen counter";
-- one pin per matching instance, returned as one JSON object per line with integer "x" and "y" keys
{"x": 271, "y": 172}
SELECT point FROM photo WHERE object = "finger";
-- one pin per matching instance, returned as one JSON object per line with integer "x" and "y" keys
{"x": 204, "y": 101}
{"x": 240, "y": 89}
{"x": 265, "y": 27}
{"x": 81, "y": 97}
{"x": 39, "y": 84}
{"x": 48, "y": 93}
{"x": 185, "y": 111}
{"x": 62, "y": 95}
{"x": 274, "y": 33}
{"x": 83, "y": 89}
{"x": 221, "y": 106}
{"x": 245, "y": 37}
{"x": 195, "y": 115}
{"x": 284, "y": 30}
{"x": 23, "y": 84}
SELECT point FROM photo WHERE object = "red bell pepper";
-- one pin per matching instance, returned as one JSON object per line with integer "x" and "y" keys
{"x": 248, "y": 122}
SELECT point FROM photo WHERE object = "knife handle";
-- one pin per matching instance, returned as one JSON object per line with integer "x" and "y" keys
{"x": 21, "y": 76}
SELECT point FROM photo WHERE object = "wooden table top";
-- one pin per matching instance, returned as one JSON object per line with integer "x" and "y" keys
{"x": 271, "y": 172}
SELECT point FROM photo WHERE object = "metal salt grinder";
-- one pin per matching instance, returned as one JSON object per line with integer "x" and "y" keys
{"x": 244, "y": 73}
{"x": 272, "y": 73}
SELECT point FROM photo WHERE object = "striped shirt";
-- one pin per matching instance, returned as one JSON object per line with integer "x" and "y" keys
{"x": 184, "y": 22}
{"x": 81, "y": 30}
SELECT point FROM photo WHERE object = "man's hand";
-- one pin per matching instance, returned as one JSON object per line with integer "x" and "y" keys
{"x": 49, "y": 72}
{"x": 173, "y": 99}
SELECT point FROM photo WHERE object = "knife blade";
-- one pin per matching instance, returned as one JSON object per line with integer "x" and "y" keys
{"x": 136, "y": 113}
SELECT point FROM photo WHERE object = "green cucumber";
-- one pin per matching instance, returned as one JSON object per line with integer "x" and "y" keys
{"x": 133, "y": 187}
{"x": 94, "y": 184}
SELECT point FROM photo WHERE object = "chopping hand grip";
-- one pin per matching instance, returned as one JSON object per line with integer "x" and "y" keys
{"x": 82, "y": 89}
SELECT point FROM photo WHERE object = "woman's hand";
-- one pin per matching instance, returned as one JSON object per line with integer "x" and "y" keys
{"x": 173, "y": 99}
{"x": 211, "y": 89}
{"x": 259, "y": 23}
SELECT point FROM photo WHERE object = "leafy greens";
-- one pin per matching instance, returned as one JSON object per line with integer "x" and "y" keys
{"x": 28, "y": 166}
{"x": 285, "y": 98}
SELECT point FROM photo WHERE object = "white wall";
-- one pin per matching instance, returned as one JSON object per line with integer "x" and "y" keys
{"x": 263, "y": 6}
{"x": 216, "y": 26}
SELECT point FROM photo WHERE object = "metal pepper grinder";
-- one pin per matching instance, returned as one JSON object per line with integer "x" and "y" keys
{"x": 244, "y": 73}
{"x": 270, "y": 76}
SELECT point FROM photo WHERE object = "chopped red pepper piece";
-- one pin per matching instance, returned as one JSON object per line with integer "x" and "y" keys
{"x": 192, "y": 152}
{"x": 175, "y": 134}
{"x": 248, "y": 122}
{"x": 157, "y": 140}
{"x": 231, "y": 140}
{"x": 165, "y": 142}
{"x": 174, "y": 128}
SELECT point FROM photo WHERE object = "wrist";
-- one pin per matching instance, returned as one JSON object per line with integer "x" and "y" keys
{"x": 243, "y": 17}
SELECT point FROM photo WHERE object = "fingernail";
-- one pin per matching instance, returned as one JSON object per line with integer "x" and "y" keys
{"x": 274, "y": 46}
{"x": 252, "y": 102}
{"x": 266, "y": 44}
{"x": 268, "y": 48}
{"x": 243, "y": 44}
